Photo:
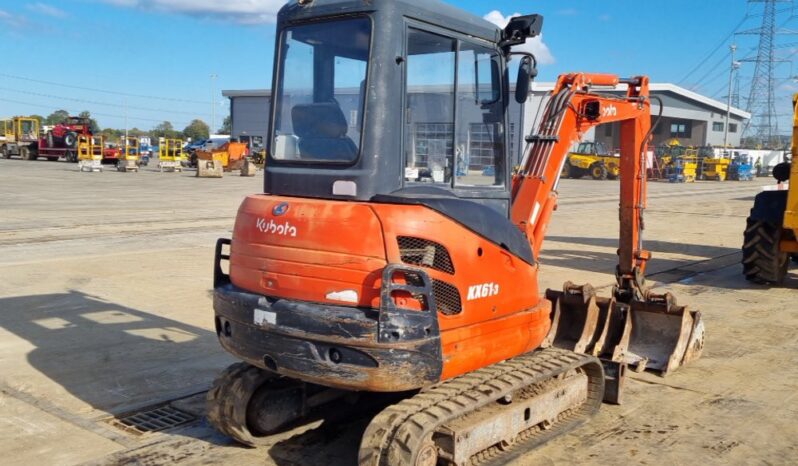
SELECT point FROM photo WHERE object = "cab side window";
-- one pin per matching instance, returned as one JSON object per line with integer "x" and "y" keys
{"x": 479, "y": 145}
{"x": 429, "y": 112}
{"x": 454, "y": 134}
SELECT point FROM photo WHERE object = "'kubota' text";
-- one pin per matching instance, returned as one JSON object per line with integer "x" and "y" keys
{"x": 274, "y": 228}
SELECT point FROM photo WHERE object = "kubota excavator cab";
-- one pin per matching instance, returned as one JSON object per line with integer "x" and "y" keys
{"x": 393, "y": 249}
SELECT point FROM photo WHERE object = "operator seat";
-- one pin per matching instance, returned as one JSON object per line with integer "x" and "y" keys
{"x": 321, "y": 129}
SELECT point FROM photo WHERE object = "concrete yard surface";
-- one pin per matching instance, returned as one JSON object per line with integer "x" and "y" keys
{"x": 106, "y": 310}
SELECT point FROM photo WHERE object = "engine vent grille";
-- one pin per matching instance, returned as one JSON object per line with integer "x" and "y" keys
{"x": 447, "y": 298}
{"x": 425, "y": 253}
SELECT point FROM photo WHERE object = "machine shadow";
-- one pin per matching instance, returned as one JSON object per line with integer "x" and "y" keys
{"x": 114, "y": 358}
{"x": 658, "y": 267}
{"x": 698, "y": 250}
{"x": 118, "y": 360}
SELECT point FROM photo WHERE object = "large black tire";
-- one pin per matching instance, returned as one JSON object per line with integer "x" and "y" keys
{"x": 4, "y": 152}
{"x": 598, "y": 171}
{"x": 573, "y": 172}
{"x": 228, "y": 401}
{"x": 763, "y": 262}
{"x": 26, "y": 154}
{"x": 71, "y": 157}
{"x": 71, "y": 139}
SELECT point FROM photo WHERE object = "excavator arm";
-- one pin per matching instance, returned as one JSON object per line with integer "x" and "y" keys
{"x": 635, "y": 326}
{"x": 574, "y": 108}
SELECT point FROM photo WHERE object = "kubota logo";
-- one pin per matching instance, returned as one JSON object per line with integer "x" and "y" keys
{"x": 280, "y": 209}
{"x": 610, "y": 111}
{"x": 274, "y": 228}
{"x": 482, "y": 291}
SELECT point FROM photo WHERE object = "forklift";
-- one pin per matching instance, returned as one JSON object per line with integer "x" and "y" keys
{"x": 395, "y": 251}
{"x": 21, "y": 138}
{"x": 592, "y": 158}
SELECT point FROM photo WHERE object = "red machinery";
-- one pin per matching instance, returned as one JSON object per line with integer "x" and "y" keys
{"x": 62, "y": 140}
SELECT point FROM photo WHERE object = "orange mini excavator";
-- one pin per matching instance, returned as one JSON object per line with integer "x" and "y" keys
{"x": 395, "y": 249}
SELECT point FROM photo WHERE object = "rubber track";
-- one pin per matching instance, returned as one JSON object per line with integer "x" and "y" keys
{"x": 397, "y": 433}
{"x": 763, "y": 262}
{"x": 228, "y": 399}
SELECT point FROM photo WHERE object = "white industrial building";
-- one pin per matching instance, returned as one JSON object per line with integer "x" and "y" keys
{"x": 689, "y": 117}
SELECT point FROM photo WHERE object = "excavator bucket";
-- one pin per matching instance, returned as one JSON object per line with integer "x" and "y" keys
{"x": 209, "y": 169}
{"x": 664, "y": 336}
{"x": 654, "y": 334}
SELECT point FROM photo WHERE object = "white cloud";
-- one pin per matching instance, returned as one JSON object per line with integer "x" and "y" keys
{"x": 604, "y": 17}
{"x": 568, "y": 12}
{"x": 240, "y": 11}
{"x": 535, "y": 45}
{"x": 12, "y": 21}
{"x": 47, "y": 10}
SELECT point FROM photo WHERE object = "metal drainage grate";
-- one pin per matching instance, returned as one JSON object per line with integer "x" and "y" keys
{"x": 151, "y": 420}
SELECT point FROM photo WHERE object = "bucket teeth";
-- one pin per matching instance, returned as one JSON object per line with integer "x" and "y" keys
{"x": 654, "y": 334}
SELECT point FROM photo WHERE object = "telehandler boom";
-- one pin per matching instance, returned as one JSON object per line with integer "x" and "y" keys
{"x": 390, "y": 253}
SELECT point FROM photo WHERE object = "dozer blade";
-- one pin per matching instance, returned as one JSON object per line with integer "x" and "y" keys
{"x": 655, "y": 334}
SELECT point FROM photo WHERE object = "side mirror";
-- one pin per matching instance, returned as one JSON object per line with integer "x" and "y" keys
{"x": 526, "y": 73}
{"x": 521, "y": 28}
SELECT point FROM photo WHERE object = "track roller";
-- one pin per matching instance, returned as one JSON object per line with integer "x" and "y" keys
{"x": 488, "y": 416}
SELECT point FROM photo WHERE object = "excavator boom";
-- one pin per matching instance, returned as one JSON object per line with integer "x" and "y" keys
{"x": 635, "y": 326}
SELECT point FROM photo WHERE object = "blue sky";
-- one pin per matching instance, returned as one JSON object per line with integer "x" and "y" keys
{"x": 157, "y": 56}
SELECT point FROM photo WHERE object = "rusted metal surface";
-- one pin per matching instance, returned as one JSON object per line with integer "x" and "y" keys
{"x": 664, "y": 335}
{"x": 614, "y": 381}
{"x": 653, "y": 333}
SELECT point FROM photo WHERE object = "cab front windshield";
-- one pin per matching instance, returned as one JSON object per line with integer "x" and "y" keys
{"x": 320, "y": 91}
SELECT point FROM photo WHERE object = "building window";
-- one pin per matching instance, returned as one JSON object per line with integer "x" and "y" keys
{"x": 681, "y": 129}
{"x": 433, "y": 144}
{"x": 732, "y": 127}
{"x": 482, "y": 146}
{"x": 717, "y": 126}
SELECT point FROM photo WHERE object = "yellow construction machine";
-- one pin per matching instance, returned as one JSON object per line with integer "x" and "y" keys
{"x": 20, "y": 138}
{"x": 715, "y": 169}
{"x": 592, "y": 158}
{"x": 231, "y": 155}
{"x": 171, "y": 155}
{"x": 129, "y": 158}
{"x": 90, "y": 153}
{"x": 771, "y": 233}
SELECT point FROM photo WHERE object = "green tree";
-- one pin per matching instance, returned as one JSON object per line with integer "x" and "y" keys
{"x": 112, "y": 135}
{"x": 40, "y": 118}
{"x": 227, "y": 126}
{"x": 197, "y": 129}
{"x": 164, "y": 130}
{"x": 95, "y": 128}
{"x": 56, "y": 117}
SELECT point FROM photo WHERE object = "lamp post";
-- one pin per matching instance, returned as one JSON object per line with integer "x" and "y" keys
{"x": 213, "y": 102}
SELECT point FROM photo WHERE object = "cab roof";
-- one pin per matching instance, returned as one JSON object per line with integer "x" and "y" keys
{"x": 433, "y": 12}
